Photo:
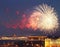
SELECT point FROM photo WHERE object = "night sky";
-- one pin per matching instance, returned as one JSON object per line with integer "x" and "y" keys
{"x": 13, "y": 11}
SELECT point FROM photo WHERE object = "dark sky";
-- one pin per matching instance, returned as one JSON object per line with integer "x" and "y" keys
{"x": 12, "y": 11}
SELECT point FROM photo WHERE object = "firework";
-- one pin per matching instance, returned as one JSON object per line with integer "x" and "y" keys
{"x": 44, "y": 18}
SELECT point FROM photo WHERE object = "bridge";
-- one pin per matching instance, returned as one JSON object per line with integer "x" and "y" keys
{"x": 24, "y": 38}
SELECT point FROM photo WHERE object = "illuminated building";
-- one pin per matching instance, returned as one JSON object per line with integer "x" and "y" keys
{"x": 52, "y": 42}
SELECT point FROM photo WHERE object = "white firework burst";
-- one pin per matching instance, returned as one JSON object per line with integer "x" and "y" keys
{"x": 44, "y": 18}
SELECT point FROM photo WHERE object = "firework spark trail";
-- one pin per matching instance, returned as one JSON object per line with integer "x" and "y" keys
{"x": 44, "y": 18}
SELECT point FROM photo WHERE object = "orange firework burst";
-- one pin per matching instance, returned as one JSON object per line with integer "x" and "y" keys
{"x": 34, "y": 19}
{"x": 44, "y": 18}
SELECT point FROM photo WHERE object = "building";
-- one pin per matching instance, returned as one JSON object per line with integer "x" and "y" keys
{"x": 52, "y": 42}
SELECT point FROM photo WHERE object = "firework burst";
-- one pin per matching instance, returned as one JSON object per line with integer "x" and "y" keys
{"x": 44, "y": 18}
